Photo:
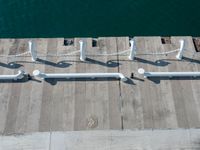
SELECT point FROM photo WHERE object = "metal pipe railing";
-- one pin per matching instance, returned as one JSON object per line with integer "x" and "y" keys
{"x": 39, "y": 74}
{"x": 168, "y": 74}
{"x": 17, "y": 76}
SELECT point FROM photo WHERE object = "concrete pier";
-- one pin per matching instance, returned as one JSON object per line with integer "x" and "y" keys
{"x": 181, "y": 139}
{"x": 33, "y": 105}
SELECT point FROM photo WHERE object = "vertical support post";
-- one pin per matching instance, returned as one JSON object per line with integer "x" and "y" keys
{"x": 82, "y": 50}
{"x": 32, "y": 49}
{"x": 181, "y": 50}
{"x": 132, "y": 50}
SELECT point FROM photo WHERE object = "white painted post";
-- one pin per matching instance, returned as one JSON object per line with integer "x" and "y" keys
{"x": 181, "y": 50}
{"x": 132, "y": 50}
{"x": 32, "y": 50}
{"x": 82, "y": 50}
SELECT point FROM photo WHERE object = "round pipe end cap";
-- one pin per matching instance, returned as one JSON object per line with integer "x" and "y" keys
{"x": 36, "y": 72}
{"x": 141, "y": 71}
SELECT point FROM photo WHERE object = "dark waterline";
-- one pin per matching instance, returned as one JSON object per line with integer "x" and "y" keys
{"x": 93, "y": 18}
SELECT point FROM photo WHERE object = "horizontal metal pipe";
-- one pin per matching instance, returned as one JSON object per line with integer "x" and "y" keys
{"x": 19, "y": 75}
{"x": 39, "y": 74}
{"x": 168, "y": 74}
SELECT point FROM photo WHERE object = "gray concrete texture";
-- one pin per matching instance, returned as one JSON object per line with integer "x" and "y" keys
{"x": 74, "y": 105}
{"x": 181, "y": 139}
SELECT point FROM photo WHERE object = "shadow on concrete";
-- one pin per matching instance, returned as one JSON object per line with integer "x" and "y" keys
{"x": 32, "y": 78}
{"x": 54, "y": 81}
{"x": 30, "y": 62}
{"x": 185, "y": 59}
{"x": 191, "y": 60}
{"x": 158, "y": 79}
{"x": 110, "y": 63}
{"x": 11, "y": 65}
{"x": 61, "y": 64}
{"x": 129, "y": 81}
{"x": 137, "y": 78}
{"x": 161, "y": 63}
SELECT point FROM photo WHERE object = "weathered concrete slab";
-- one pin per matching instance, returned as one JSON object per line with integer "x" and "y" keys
{"x": 160, "y": 102}
{"x": 105, "y": 140}
{"x": 35, "y": 141}
{"x": 67, "y": 105}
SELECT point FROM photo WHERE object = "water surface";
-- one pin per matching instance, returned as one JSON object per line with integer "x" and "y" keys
{"x": 73, "y": 18}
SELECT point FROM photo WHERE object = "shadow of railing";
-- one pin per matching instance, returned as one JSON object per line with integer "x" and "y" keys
{"x": 137, "y": 78}
{"x": 129, "y": 81}
{"x": 160, "y": 63}
{"x": 110, "y": 63}
{"x": 157, "y": 80}
{"x": 11, "y": 65}
{"x": 61, "y": 64}
{"x": 185, "y": 59}
{"x": 191, "y": 60}
{"x": 54, "y": 81}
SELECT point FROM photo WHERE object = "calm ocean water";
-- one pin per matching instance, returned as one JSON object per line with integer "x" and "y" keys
{"x": 72, "y": 18}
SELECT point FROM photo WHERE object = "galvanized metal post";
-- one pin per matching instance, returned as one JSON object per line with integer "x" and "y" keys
{"x": 82, "y": 50}
{"x": 32, "y": 49}
{"x": 132, "y": 50}
{"x": 181, "y": 50}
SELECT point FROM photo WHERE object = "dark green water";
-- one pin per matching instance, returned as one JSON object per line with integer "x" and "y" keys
{"x": 72, "y": 18}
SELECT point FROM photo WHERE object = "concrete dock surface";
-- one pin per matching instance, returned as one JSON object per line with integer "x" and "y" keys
{"x": 181, "y": 139}
{"x": 38, "y": 108}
